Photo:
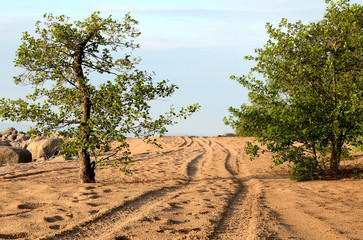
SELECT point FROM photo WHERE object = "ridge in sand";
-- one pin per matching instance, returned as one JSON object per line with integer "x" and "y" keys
{"x": 193, "y": 188}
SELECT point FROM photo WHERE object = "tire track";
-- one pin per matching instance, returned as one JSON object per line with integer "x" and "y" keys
{"x": 129, "y": 211}
{"x": 243, "y": 208}
{"x": 235, "y": 199}
{"x": 199, "y": 188}
{"x": 192, "y": 165}
{"x": 123, "y": 213}
{"x": 184, "y": 143}
{"x": 180, "y": 148}
{"x": 201, "y": 141}
{"x": 210, "y": 182}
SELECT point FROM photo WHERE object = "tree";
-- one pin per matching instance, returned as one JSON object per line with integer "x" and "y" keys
{"x": 309, "y": 104}
{"x": 59, "y": 65}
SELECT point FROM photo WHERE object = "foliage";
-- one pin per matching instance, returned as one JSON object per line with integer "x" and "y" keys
{"x": 358, "y": 144}
{"x": 309, "y": 103}
{"x": 357, "y": 173}
{"x": 60, "y": 62}
{"x": 305, "y": 169}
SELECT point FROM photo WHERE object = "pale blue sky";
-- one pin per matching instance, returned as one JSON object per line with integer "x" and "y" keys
{"x": 195, "y": 44}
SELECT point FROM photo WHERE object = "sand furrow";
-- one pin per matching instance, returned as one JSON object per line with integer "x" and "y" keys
{"x": 192, "y": 188}
{"x": 192, "y": 166}
{"x": 235, "y": 200}
{"x": 132, "y": 210}
{"x": 118, "y": 216}
{"x": 201, "y": 202}
{"x": 242, "y": 216}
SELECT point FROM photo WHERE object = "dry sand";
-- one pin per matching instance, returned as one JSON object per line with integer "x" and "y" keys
{"x": 193, "y": 188}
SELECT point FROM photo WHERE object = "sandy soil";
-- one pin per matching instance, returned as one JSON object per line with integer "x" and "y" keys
{"x": 193, "y": 188}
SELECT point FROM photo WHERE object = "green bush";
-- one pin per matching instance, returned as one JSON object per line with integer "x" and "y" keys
{"x": 304, "y": 170}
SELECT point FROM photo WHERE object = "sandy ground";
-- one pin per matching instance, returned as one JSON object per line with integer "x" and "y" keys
{"x": 193, "y": 188}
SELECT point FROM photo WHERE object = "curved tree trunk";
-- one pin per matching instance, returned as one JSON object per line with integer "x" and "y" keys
{"x": 86, "y": 168}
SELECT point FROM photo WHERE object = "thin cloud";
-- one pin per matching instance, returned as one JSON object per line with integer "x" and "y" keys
{"x": 151, "y": 10}
{"x": 177, "y": 11}
{"x": 240, "y": 11}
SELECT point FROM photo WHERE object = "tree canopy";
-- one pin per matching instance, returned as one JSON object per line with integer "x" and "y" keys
{"x": 306, "y": 91}
{"x": 63, "y": 62}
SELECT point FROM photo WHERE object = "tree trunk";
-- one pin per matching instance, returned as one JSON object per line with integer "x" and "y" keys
{"x": 86, "y": 168}
{"x": 336, "y": 151}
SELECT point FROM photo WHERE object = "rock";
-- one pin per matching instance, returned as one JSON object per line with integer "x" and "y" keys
{"x": 5, "y": 135}
{"x": 20, "y": 144}
{"x": 11, "y": 155}
{"x": 10, "y": 129}
{"x": 12, "y": 137}
{"x": 44, "y": 148}
{"x": 22, "y": 137}
{"x": 5, "y": 143}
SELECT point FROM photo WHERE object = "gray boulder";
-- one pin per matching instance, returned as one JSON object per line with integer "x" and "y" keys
{"x": 11, "y": 155}
{"x": 45, "y": 147}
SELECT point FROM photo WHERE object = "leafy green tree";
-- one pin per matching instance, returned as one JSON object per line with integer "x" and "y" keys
{"x": 308, "y": 104}
{"x": 60, "y": 63}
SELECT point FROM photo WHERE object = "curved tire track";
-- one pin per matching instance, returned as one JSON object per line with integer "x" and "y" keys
{"x": 124, "y": 213}
{"x": 235, "y": 203}
{"x": 129, "y": 211}
{"x": 199, "y": 169}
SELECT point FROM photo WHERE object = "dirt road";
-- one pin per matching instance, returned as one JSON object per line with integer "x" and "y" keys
{"x": 193, "y": 188}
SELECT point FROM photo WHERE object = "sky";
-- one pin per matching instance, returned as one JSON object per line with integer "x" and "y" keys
{"x": 196, "y": 44}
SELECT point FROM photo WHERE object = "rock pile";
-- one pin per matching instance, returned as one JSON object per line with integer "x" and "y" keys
{"x": 18, "y": 147}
